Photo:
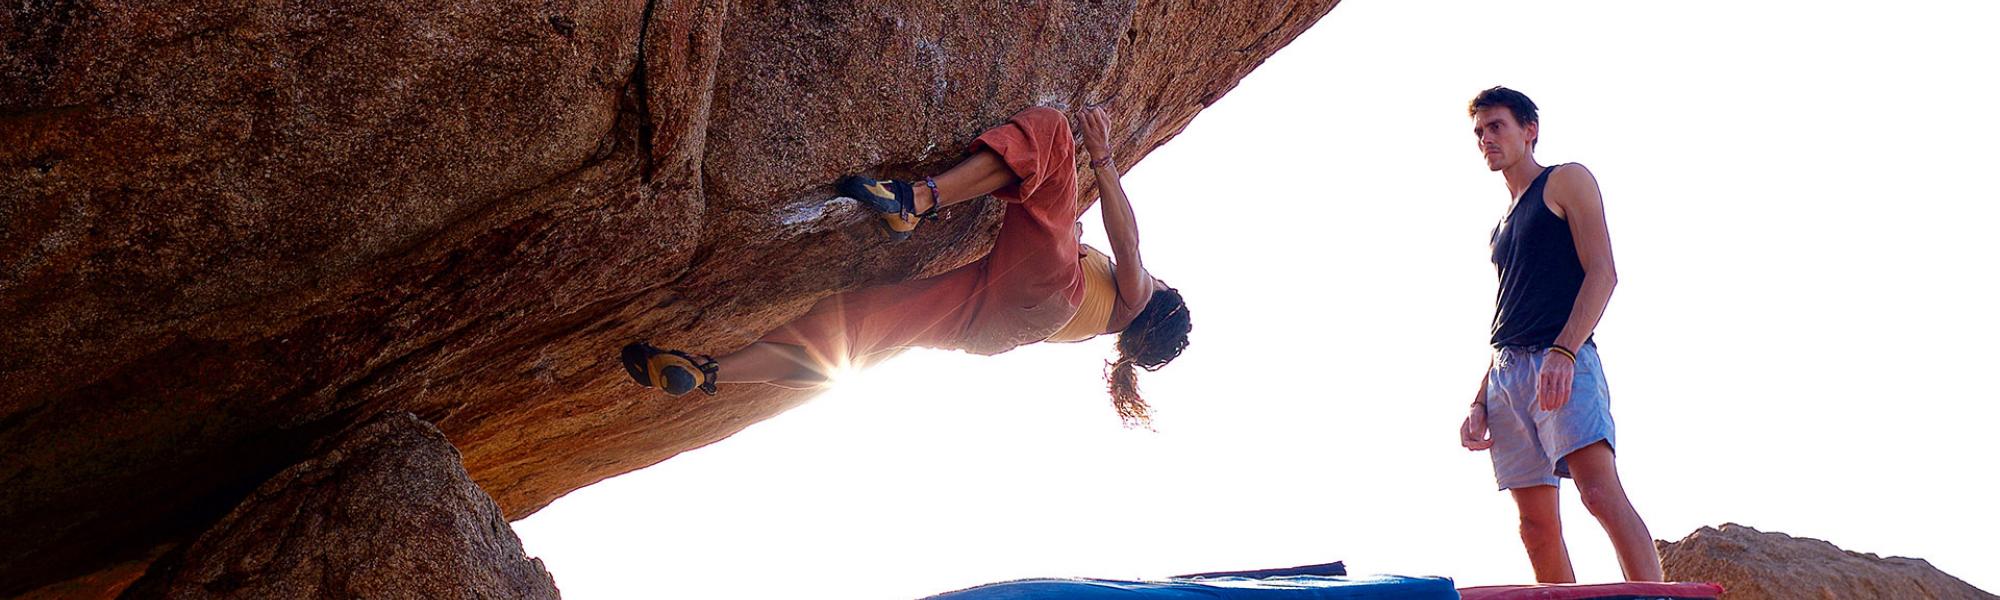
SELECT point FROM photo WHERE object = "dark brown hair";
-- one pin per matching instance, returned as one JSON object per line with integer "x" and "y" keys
{"x": 1156, "y": 337}
{"x": 1525, "y": 112}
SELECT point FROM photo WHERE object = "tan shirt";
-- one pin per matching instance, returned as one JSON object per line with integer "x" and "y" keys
{"x": 1100, "y": 296}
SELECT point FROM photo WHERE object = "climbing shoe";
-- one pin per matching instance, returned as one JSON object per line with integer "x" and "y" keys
{"x": 674, "y": 371}
{"x": 895, "y": 200}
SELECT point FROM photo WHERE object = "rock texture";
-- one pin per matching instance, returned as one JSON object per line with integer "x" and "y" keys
{"x": 387, "y": 512}
{"x": 230, "y": 229}
{"x": 1754, "y": 565}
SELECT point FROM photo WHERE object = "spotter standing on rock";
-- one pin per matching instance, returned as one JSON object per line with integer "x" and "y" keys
{"x": 1039, "y": 283}
{"x": 1544, "y": 398}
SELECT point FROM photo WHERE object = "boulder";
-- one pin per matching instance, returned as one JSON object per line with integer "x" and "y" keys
{"x": 1754, "y": 565}
{"x": 386, "y": 512}
{"x": 229, "y": 229}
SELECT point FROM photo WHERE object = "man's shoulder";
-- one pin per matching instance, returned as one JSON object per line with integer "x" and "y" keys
{"x": 1570, "y": 180}
{"x": 1571, "y": 172}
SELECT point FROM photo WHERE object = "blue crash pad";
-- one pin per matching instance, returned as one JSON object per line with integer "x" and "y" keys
{"x": 1303, "y": 587}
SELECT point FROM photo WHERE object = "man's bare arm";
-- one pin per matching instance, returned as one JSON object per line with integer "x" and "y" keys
{"x": 1574, "y": 195}
{"x": 1473, "y": 434}
{"x": 1135, "y": 285}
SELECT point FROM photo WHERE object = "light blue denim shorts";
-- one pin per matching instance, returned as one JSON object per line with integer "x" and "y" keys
{"x": 1529, "y": 443}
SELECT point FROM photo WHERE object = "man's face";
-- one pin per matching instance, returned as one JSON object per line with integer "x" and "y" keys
{"x": 1503, "y": 141}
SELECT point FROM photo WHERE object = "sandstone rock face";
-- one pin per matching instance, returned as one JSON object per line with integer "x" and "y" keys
{"x": 1754, "y": 565}
{"x": 387, "y": 512}
{"x": 230, "y": 229}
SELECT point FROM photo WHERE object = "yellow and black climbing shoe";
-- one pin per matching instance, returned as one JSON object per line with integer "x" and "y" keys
{"x": 674, "y": 371}
{"x": 895, "y": 200}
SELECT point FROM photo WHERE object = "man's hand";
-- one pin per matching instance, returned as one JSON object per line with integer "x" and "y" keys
{"x": 1552, "y": 390}
{"x": 1472, "y": 434}
{"x": 1096, "y": 132}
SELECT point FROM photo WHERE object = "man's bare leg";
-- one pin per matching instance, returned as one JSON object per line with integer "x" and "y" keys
{"x": 1596, "y": 472}
{"x": 1541, "y": 533}
{"x": 976, "y": 176}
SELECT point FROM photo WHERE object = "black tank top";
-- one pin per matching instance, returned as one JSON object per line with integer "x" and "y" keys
{"x": 1539, "y": 271}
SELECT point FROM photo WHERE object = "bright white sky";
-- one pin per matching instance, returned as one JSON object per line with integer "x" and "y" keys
{"x": 1802, "y": 203}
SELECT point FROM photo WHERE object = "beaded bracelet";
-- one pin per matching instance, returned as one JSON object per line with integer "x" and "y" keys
{"x": 1099, "y": 163}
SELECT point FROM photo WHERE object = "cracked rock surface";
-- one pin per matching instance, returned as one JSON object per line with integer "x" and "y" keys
{"x": 231, "y": 230}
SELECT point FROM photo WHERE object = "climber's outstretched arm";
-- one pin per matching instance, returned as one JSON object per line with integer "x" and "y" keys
{"x": 1135, "y": 285}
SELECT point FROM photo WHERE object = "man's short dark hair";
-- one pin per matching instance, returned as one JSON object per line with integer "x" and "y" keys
{"x": 1516, "y": 102}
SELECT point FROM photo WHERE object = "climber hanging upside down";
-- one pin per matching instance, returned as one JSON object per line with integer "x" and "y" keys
{"x": 1039, "y": 284}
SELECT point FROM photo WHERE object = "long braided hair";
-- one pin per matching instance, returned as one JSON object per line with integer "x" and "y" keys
{"x": 1155, "y": 338}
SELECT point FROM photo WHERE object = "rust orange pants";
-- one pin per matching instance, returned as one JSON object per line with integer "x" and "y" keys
{"x": 1020, "y": 293}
